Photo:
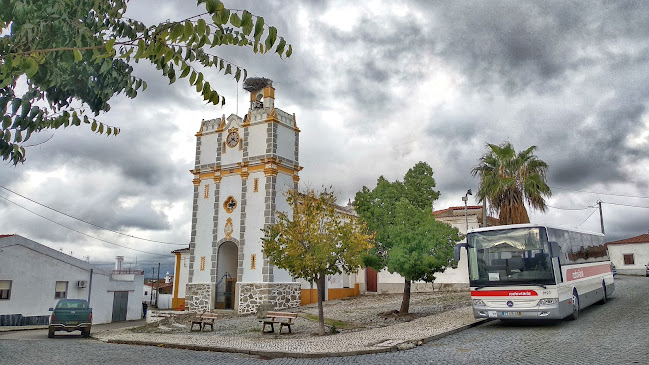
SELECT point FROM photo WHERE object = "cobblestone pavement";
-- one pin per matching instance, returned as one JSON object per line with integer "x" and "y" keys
{"x": 616, "y": 332}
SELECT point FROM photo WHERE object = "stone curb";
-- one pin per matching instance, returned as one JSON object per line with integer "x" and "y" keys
{"x": 22, "y": 328}
{"x": 281, "y": 354}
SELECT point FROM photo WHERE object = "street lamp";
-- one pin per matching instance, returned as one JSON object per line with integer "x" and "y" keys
{"x": 465, "y": 198}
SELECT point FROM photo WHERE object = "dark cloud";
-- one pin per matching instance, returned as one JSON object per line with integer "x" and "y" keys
{"x": 434, "y": 81}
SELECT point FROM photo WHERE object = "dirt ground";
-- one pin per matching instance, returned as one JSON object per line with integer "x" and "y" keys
{"x": 348, "y": 314}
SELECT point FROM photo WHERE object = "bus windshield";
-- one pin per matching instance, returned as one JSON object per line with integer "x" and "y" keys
{"x": 512, "y": 256}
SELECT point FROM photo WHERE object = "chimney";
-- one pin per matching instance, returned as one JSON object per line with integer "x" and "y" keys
{"x": 119, "y": 260}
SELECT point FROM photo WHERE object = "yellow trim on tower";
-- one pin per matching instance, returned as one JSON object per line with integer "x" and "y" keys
{"x": 176, "y": 278}
{"x": 222, "y": 125}
{"x": 272, "y": 116}
{"x": 269, "y": 92}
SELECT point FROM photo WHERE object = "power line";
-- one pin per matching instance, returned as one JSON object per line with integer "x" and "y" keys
{"x": 594, "y": 192}
{"x": 549, "y": 206}
{"x": 85, "y": 234}
{"x": 92, "y": 224}
{"x": 625, "y": 205}
{"x": 591, "y": 214}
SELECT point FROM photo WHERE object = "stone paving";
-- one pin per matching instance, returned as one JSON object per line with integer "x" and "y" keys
{"x": 362, "y": 330}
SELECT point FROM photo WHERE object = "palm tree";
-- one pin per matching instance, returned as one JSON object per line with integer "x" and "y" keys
{"x": 508, "y": 180}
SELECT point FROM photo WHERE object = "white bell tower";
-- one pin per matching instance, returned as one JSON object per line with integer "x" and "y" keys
{"x": 243, "y": 167}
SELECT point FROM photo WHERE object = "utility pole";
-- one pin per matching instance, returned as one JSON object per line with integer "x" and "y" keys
{"x": 465, "y": 198}
{"x": 484, "y": 212}
{"x": 157, "y": 290}
{"x": 601, "y": 218}
{"x": 151, "y": 282}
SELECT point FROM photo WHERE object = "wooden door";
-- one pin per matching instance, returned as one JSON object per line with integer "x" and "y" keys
{"x": 371, "y": 278}
{"x": 120, "y": 306}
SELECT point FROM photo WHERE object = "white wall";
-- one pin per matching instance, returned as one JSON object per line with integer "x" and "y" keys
{"x": 183, "y": 275}
{"x": 34, "y": 278}
{"x": 284, "y": 182}
{"x": 254, "y": 224}
{"x": 204, "y": 228}
{"x": 640, "y": 253}
{"x": 34, "y": 270}
{"x": 164, "y": 301}
{"x": 208, "y": 149}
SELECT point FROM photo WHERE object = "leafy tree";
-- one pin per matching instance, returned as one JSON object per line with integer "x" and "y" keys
{"x": 421, "y": 246}
{"x": 315, "y": 240}
{"x": 75, "y": 55}
{"x": 408, "y": 239}
{"x": 509, "y": 179}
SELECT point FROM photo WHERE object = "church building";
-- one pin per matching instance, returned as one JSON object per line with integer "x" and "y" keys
{"x": 243, "y": 167}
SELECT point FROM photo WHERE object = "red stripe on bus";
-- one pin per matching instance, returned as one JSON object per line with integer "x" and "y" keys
{"x": 588, "y": 271}
{"x": 504, "y": 293}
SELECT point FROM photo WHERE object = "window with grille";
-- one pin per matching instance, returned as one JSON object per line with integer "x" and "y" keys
{"x": 61, "y": 290}
{"x": 5, "y": 289}
{"x": 256, "y": 185}
{"x": 206, "y": 193}
{"x": 628, "y": 259}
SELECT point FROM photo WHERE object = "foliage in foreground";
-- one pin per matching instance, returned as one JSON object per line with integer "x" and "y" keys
{"x": 315, "y": 240}
{"x": 75, "y": 55}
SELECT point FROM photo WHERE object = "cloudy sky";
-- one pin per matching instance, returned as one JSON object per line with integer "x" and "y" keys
{"x": 376, "y": 87}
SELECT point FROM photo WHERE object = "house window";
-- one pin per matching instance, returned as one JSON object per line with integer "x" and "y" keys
{"x": 146, "y": 292}
{"x": 628, "y": 259}
{"x": 5, "y": 289}
{"x": 256, "y": 185}
{"x": 61, "y": 291}
{"x": 206, "y": 193}
{"x": 202, "y": 263}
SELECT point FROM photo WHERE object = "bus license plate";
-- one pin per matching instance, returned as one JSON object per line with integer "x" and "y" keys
{"x": 511, "y": 314}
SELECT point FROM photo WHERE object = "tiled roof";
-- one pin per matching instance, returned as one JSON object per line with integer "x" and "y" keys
{"x": 5, "y": 235}
{"x": 437, "y": 212}
{"x": 643, "y": 238}
{"x": 181, "y": 250}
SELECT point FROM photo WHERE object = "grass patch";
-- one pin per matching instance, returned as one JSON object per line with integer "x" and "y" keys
{"x": 328, "y": 321}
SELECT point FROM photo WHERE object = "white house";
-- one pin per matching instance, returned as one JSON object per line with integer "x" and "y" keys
{"x": 630, "y": 255}
{"x": 33, "y": 278}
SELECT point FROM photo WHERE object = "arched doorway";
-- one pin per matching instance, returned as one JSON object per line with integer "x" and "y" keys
{"x": 226, "y": 275}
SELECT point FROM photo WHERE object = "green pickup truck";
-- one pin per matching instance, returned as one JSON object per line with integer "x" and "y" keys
{"x": 71, "y": 315}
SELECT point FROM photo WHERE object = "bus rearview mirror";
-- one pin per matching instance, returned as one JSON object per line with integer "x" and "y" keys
{"x": 458, "y": 250}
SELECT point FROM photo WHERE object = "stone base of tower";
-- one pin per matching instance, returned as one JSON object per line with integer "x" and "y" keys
{"x": 280, "y": 295}
{"x": 199, "y": 297}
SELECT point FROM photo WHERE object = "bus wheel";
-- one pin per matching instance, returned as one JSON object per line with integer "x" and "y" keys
{"x": 575, "y": 305}
{"x": 603, "y": 301}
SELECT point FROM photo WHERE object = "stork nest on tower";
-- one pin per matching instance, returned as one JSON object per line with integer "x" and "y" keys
{"x": 252, "y": 84}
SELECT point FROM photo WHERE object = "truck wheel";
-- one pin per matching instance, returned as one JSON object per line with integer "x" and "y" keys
{"x": 85, "y": 333}
{"x": 50, "y": 333}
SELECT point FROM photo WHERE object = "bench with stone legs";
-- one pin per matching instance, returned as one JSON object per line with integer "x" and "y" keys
{"x": 284, "y": 319}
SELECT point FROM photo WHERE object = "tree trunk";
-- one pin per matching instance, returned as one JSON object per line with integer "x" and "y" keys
{"x": 320, "y": 284}
{"x": 405, "y": 303}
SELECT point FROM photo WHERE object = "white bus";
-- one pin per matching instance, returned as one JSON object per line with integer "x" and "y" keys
{"x": 528, "y": 271}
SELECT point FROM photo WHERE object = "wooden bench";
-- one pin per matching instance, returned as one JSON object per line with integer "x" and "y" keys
{"x": 202, "y": 320}
{"x": 285, "y": 319}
